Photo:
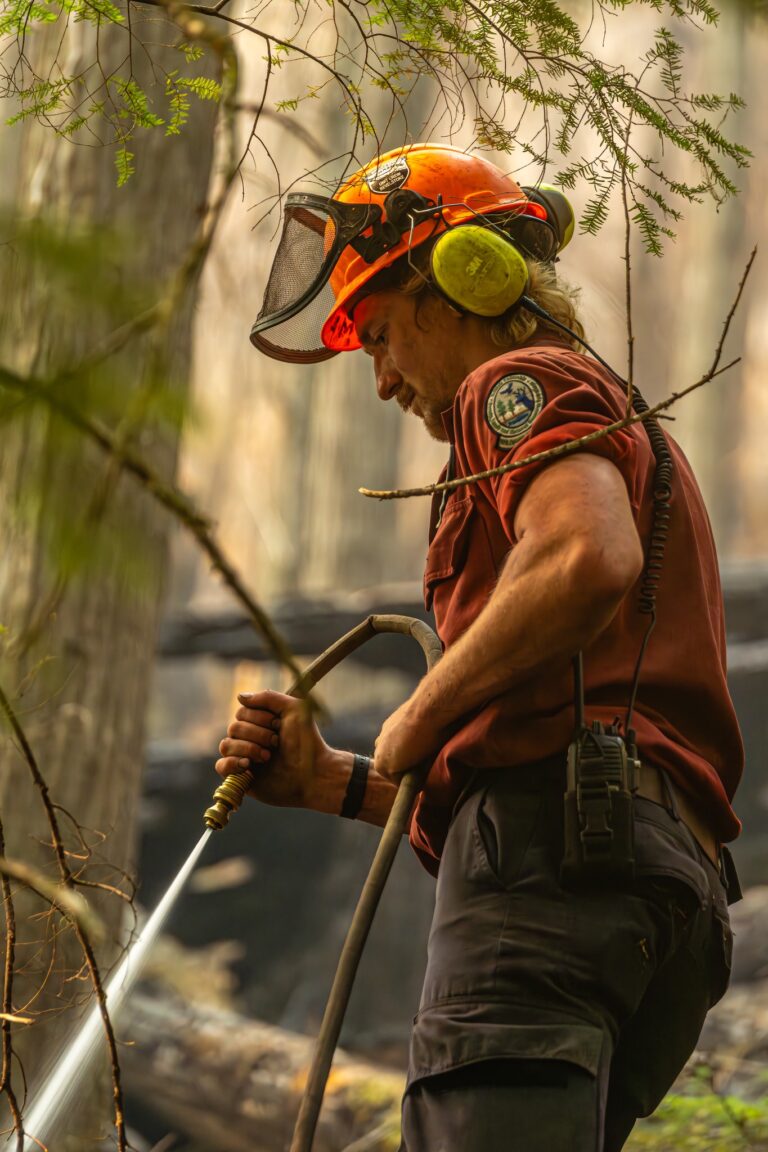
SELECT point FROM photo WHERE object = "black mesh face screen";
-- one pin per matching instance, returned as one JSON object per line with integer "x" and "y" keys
{"x": 297, "y": 339}
{"x": 296, "y": 300}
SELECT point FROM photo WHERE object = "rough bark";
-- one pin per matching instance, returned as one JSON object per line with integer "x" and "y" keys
{"x": 78, "y": 649}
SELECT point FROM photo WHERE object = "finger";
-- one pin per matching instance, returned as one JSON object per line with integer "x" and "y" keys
{"x": 254, "y": 733}
{"x": 268, "y": 701}
{"x": 229, "y": 764}
{"x": 244, "y": 749}
{"x": 258, "y": 716}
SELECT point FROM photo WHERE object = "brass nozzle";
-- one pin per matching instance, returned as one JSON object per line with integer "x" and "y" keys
{"x": 228, "y": 796}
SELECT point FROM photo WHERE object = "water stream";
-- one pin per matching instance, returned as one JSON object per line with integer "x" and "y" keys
{"x": 58, "y": 1091}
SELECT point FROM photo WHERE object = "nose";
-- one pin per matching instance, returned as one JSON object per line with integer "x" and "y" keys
{"x": 388, "y": 379}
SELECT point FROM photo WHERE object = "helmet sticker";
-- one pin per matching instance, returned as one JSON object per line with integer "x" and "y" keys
{"x": 389, "y": 176}
{"x": 513, "y": 404}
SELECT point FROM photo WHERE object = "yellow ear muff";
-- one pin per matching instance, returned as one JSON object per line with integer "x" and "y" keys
{"x": 478, "y": 270}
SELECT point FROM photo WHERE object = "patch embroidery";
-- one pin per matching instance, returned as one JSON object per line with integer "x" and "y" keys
{"x": 389, "y": 176}
{"x": 513, "y": 404}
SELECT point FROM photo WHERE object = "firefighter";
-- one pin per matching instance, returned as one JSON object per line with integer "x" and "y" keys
{"x": 583, "y": 747}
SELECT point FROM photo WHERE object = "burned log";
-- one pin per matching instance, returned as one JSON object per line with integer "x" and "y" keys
{"x": 234, "y": 1084}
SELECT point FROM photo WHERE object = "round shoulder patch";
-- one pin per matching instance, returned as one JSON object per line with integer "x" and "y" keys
{"x": 513, "y": 404}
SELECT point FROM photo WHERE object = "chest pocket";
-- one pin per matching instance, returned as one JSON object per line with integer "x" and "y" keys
{"x": 450, "y": 546}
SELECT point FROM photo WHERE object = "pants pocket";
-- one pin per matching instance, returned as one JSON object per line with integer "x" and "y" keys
{"x": 505, "y": 826}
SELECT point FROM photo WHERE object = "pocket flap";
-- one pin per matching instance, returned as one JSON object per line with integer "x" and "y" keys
{"x": 449, "y": 546}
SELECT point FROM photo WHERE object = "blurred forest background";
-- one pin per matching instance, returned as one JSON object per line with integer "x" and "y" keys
{"x": 123, "y": 648}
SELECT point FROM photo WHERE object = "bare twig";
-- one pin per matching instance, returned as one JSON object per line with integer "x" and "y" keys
{"x": 8, "y": 1017}
{"x": 374, "y": 1138}
{"x": 628, "y": 275}
{"x": 84, "y": 940}
{"x": 732, "y": 312}
{"x": 550, "y": 453}
{"x": 64, "y": 897}
{"x": 574, "y": 445}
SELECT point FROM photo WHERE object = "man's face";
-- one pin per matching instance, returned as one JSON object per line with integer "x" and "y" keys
{"x": 417, "y": 361}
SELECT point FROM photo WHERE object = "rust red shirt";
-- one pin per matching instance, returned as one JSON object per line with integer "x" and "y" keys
{"x": 518, "y": 404}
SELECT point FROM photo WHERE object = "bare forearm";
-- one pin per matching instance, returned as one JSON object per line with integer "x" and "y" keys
{"x": 332, "y": 780}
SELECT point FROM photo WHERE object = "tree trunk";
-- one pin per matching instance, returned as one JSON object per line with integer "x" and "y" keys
{"x": 79, "y": 638}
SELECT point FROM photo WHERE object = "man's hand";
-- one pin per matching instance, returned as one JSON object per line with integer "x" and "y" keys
{"x": 408, "y": 738}
{"x": 275, "y": 737}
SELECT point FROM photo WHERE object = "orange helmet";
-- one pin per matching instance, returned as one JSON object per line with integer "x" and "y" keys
{"x": 332, "y": 249}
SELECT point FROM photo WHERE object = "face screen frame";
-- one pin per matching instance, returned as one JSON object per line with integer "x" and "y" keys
{"x": 314, "y": 212}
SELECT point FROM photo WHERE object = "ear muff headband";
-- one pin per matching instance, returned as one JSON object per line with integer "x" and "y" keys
{"x": 559, "y": 211}
{"x": 478, "y": 270}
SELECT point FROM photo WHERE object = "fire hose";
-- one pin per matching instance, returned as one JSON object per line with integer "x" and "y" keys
{"x": 228, "y": 798}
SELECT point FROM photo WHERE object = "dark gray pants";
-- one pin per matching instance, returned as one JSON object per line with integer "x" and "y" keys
{"x": 551, "y": 1019}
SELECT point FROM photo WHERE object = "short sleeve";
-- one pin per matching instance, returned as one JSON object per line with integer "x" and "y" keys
{"x": 527, "y": 402}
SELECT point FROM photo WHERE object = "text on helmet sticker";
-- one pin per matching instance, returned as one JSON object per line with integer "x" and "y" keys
{"x": 389, "y": 176}
{"x": 513, "y": 404}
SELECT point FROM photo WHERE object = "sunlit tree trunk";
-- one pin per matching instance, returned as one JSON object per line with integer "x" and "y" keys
{"x": 81, "y": 567}
{"x": 700, "y": 280}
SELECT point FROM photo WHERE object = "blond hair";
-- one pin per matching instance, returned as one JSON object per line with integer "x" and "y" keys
{"x": 516, "y": 326}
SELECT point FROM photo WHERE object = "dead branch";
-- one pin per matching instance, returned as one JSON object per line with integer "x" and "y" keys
{"x": 628, "y": 275}
{"x": 170, "y": 497}
{"x": 84, "y": 940}
{"x": 7, "y": 1015}
{"x": 555, "y": 453}
{"x": 574, "y": 445}
{"x": 68, "y": 900}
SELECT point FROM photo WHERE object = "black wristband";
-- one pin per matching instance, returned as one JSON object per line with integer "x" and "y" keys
{"x": 355, "y": 793}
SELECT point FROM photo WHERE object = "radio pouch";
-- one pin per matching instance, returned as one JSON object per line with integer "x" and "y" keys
{"x": 599, "y": 822}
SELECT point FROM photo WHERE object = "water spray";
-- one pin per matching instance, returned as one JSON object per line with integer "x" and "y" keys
{"x": 229, "y": 796}
{"x": 41, "y": 1121}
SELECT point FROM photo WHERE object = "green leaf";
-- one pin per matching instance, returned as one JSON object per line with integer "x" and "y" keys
{"x": 124, "y": 164}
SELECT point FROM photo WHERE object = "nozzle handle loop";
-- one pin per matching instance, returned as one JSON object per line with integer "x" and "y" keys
{"x": 231, "y": 793}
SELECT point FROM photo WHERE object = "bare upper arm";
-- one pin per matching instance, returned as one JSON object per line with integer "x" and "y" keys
{"x": 583, "y": 498}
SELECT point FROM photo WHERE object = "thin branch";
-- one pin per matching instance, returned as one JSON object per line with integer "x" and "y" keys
{"x": 169, "y": 497}
{"x": 7, "y": 1015}
{"x": 550, "y": 453}
{"x": 82, "y": 935}
{"x": 574, "y": 445}
{"x": 732, "y": 312}
{"x": 40, "y": 784}
{"x": 64, "y": 897}
{"x": 628, "y": 275}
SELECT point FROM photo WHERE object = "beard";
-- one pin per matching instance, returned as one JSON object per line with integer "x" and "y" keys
{"x": 433, "y": 422}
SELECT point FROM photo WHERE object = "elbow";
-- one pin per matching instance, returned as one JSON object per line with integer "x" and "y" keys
{"x": 602, "y": 573}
